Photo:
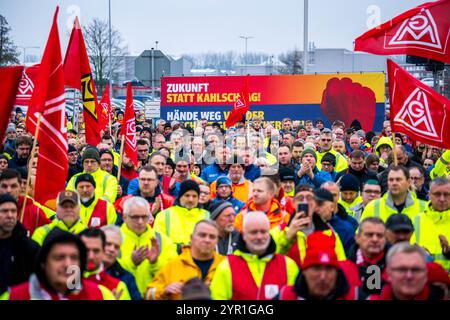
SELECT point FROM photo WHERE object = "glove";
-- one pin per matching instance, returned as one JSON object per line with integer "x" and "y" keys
{"x": 346, "y": 100}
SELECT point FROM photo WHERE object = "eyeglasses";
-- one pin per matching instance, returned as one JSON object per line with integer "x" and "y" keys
{"x": 404, "y": 270}
{"x": 416, "y": 178}
{"x": 372, "y": 191}
{"x": 137, "y": 218}
{"x": 204, "y": 193}
{"x": 325, "y": 140}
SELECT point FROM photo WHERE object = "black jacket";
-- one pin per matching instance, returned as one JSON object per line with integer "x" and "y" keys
{"x": 362, "y": 176}
{"x": 17, "y": 258}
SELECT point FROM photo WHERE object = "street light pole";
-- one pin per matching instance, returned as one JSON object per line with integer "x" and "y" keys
{"x": 246, "y": 56}
{"x": 24, "y": 51}
{"x": 305, "y": 37}
{"x": 153, "y": 74}
{"x": 110, "y": 52}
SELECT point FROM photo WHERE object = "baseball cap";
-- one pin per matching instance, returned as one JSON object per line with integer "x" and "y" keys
{"x": 68, "y": 195}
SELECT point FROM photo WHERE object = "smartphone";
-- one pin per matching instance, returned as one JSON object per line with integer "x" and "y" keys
{"x": 301, "y": 207}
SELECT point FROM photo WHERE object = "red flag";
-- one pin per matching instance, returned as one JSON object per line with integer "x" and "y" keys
{"x": 9, "y": 81}
{"x": 417, "y": 110}
{"x": 129, "y": 128}
{"x": 77, "y": 74}
{"x": 49, "y": 99}
{"x": 105, "y": 108}
{"x": 26, "y": 85}
{"x": 423, "y": 31}
{"x": 240, "y": 107}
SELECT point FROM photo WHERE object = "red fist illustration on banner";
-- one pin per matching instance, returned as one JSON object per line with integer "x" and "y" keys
{"x": 346, "y": 100}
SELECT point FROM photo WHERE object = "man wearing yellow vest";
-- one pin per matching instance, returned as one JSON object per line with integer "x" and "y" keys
{"x": 349, "y": 189}
{"x": 398, "y": 199}
{"x": 67, "y": 217}
{"x": 106, "y": 184}
{"x": 178, "y": 221}
{"x": 325, "y": 147}
{"x": 255, "y": 271}
{"x": 94, "y": 212}
{"x": 432, "y": 226}
{"x": 143, "y": 251}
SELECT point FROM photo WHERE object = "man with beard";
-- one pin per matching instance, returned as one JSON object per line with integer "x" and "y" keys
{"x": 74, "y": 165}
{"x": 94, "y": 212}
{"x": 222, "y": 213}
{"x": 255, "y": 271}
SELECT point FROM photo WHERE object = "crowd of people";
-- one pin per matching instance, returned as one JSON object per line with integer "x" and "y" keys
{"x": 244, "y": 213}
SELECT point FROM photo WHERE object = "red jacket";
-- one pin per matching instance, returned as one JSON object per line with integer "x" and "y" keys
{"x": 165, "y": 200}
{"x": 89, "y": 291}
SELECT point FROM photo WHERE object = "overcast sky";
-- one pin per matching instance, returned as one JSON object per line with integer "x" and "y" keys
{"x": 196, "y": 26}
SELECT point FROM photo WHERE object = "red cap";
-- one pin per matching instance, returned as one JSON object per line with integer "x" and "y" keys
{"x": 320, "y": 240}
{"x": 436, "y": 273}
{"x": 323, "y": 257}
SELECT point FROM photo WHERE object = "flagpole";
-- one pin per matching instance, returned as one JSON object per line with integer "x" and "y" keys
{"x": 248, "y": 129}
{"x": 122, "y": 145}
{"x": 395, "y": 149}
{"x": 30, "y": 166}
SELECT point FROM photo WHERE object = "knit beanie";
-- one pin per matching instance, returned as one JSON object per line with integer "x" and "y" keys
{"x": 217, "y": 207}
{"x": 224, "y": 180}
{"x": 85, "y": 177}
{"x": 310, "y": 151}
{"x": 91, "y": 153}
{"x": 349, "y": 182}
{"x": 188, "y": 185}
{"x": 329, "y": 157}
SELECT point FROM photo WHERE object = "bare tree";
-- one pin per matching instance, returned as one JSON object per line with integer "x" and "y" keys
{"x": 8, "y": 53}
{"x": 96, "y": 36}
{"x": 293, "y": 61}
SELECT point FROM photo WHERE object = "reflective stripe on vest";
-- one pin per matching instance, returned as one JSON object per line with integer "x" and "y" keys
{"x": 417, "y": 228}
{"x": 105, "y": 180}
{"x": 244, "y": 286}
{"x": 376, "y": 208}
{"x": 422, "y": 206}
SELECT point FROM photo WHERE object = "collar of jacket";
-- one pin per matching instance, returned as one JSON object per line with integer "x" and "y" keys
{"x": 243, "y": 251}
{"x": 240, "y": 183}
{"x": 341, "y": 212}
{"x": 341, "y": 288}
{"x": 388, "y": 294}
{"x": 61, "y": 224}
{"x": 187, "y": 258}
{"x": 89, "y": 202}
{"x": 437, "y": 216}
{"x": 116, "y": 270}
{"x": 19, "y": 232}
{"x": 98, "y": 273}
{"x": 358, "y": 207}
{"x": 128, "y": 233}
{"x": 177, "y": 206}
{"x": 275, "y": 207}
{"x": 149, "y": 199}
{"x": 390, "y": 202}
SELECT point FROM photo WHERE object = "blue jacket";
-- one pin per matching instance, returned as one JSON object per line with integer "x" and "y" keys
{"x": 212, "y": 172}
{"x": 345, "y": 226}
{"x": 319, "y": 178}
{"x": 118, "y": 272}
{"x": 252, "y": 172}
{"x": 237, "y": 204}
